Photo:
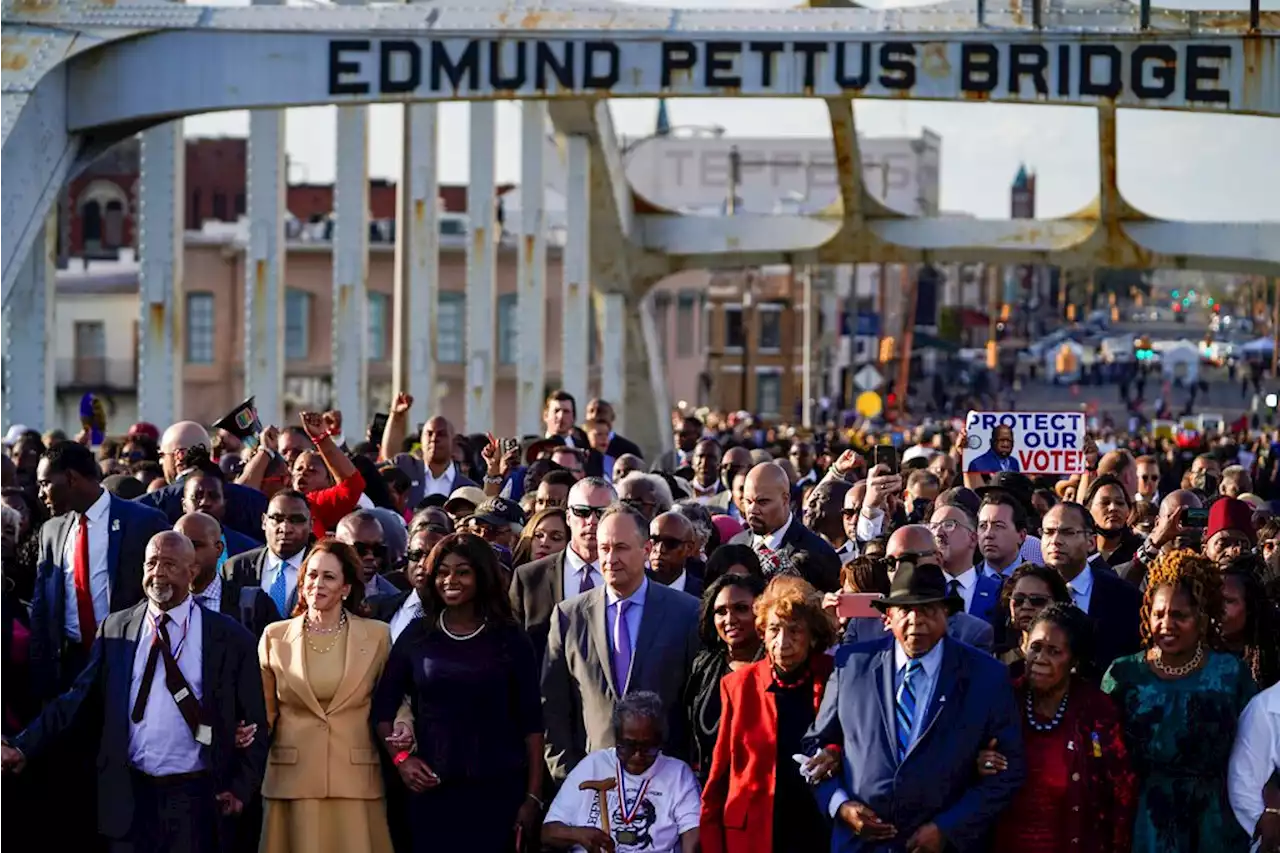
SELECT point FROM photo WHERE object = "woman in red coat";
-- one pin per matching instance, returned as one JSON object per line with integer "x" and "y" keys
{"x": 756, "y": 800}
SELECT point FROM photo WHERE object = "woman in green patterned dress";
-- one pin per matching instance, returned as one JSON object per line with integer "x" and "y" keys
{"x": 1179, "y": 703}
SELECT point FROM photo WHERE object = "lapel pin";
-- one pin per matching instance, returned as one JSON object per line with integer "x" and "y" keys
{"x": 115, "y": 525}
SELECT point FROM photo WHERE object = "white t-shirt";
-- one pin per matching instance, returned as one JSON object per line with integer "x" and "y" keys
{"x": 670, "y": 805}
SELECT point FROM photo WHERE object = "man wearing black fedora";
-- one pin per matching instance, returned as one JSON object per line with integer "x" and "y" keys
{"x": 902, "y": 721}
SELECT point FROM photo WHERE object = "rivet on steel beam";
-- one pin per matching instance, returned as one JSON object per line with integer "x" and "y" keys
{"x": 1144, "y": 14}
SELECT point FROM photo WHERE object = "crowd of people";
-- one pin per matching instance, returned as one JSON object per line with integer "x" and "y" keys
{"x": 761, "y": 641}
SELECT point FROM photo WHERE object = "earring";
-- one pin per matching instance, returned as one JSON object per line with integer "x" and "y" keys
{"x": 1073, "y": 670}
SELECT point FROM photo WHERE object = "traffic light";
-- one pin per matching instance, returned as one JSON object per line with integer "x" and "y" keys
{"x": 1217, "y": 308}
{"x": 1177, "y": 294}
{"x": 888, "y": 348}
{"x": 1142, "y": 350}
{"x": 1177, "y": 307}
{"x": 993, "y": 355}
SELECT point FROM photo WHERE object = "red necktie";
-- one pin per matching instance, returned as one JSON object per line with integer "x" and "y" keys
{"x": 84, "y": 594}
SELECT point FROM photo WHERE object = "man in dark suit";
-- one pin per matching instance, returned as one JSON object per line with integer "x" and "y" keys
{"x": 602, "y": 410}
{"x": 1114, "y": 604}
{"x": 673, "y": 544}
{"x": 90, "y": 565}
{"x": 956, "y": 530}
{"x": 537, "y": 587}
{"x": 399, "y": 609}
{"x": 171, "y": 778}
{"x": 275, "y": 566}
{"x": 681, "y": 457}
{"x": 907, "y": 716}
{"x": 248, "y": 605}
{"x": 628, "y": 634}
{"x": 776, "y": 534}
{"x": 245, "y": 506}
{"x": 203, "y": 490}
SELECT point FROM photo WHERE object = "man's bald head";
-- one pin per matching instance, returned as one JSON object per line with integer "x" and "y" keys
{"x": 912, "y": 540}
{"x": 198, "y": 525}
{"x": 1178, "y": 499}
{"x": 176, "y": 441}
{"x": 766, "y": 498}
{"x": 768, "y": 476}
{"x": 205, "y": 535}
{"x": 673, "y": 523}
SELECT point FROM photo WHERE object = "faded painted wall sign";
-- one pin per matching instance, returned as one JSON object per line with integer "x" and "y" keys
{"x": 1195, "y": 73}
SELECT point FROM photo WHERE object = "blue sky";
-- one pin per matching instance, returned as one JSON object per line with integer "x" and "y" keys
{"x": 1174, "y": 165}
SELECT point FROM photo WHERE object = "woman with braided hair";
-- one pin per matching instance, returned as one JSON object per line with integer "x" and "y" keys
{"x": 1250, "y": 622}
{"x": 1179, "y": 702}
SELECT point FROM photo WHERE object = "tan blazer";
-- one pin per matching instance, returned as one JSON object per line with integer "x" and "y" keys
{"x": 318, "y": 753}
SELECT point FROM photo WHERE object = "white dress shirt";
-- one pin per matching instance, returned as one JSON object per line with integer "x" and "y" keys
{"x": 870, "y": 523}
{"x": 162, "y": 744}
{"x": 442, "y": 485}
{"x": 292, "y": 565}
{"x": 1255, "y": 756}
{"x": 968, "y": 585}
{"x": 97, "y": 517}
{"x": 1081, "y": 588}
{"x": 679, "y": 583}
{"x": 211, "y": 597}
{"x": 848, "y": 552}
{"x": 774, "y": 540}
{"x": 402, "y": 618}
{"x": 573, "y": 566}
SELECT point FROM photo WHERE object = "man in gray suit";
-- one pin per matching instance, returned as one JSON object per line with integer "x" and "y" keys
{"x": 276, "y": 566}
{"x": 916, "y": 542}
{"x": 630, "y": 634}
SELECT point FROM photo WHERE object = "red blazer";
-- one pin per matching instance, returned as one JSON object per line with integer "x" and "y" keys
{"x": 737, "y": 803}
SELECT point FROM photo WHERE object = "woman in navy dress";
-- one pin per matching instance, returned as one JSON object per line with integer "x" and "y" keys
{"x": 468, "y": 669}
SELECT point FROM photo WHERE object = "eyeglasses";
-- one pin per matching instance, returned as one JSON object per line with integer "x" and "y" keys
{"x": 416, "y": 555}
{"x": 636, "y": 503}
{"x": 948, "y": 526}
{"x": 584, "y": 511}
{"x": 1059, "y": 532}
{"x": 1019, "y": 599}
{"x": 292, "y": 518}
{"x": 366, "y": 549}
{"x": 635, "y": 747}
{"x": 850, "y": 512}
{"x": 669, "y": 543}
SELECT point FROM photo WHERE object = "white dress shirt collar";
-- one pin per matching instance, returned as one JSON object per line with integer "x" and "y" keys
{"x": 1081, "y": 587}
{"x": 932, "y": 660}
{"x": 774, "y": 540}
{"x": 679, "y": 583}
{"x": 98, "y": 510}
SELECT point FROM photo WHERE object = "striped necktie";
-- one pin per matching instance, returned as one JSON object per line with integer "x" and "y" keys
{"x": 907, "y": 707}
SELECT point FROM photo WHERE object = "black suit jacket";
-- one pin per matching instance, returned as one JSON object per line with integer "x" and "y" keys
{"x": 254, "y": 614}
{"x": 619, "y": 446}
{"x": 536, "y": 589}
{"x": 383, "y": 607}
{"x": 692, "y": 582}
{"x": 246, "y": 570}
{"x": 245, "y": 507}
{"x": 232, "y": 691}
{"x": 1115, "y": 606}
{"x": 824, "y": 563}
{"x": 129, "y": 529}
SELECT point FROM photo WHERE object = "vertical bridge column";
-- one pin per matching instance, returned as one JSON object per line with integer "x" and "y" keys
{"x": 482, "y": 256}
{"x": 29, "y": 337}
{"x": 417, "y": 261}
{"x": 531, "y": 305}
{"x": 160, "y": 290}
{"x": 574, "y": 348}
{"x": 612, "y": 319}
{"x": 351, "y": 267}
{"x": 264, "y": 265}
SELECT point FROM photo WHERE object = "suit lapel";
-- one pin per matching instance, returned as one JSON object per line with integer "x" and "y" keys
{"x": 557, "y": 579}
{"x": 650, "y": 626}
{"x": 359, "y": 658}
{"x": 886, "y": 701}
{"x": 599, "y": 615}
{"x": 946, "y": 684}
{"x": 210, "y": 662}
{"x": 292, "y": 654}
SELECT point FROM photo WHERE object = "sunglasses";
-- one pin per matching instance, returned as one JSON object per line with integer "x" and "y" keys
{"x": 669, "y": 543}
{"x": 416, "y": 555}
{"x": 365, "y": 549}
{"x": 634, "y": 747}
{"x": 851, "y": 512}
{"x": 583, "y": 511}
{"x": 1020, "y": 599}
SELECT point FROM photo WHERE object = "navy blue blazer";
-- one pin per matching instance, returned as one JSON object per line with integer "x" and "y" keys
{"x": 245, "y": 507}
{"x": 972, "y": 703}
{"x": 130, "y": 527}
{"x": 986, "y": 597}
{"x": 99, "y": 702}
{"x": 238, "y": 543}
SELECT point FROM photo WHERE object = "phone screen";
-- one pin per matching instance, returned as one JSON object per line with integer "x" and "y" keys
{"x": 1196, "y": 517}
{"x": 378, "y": 426}
{"x": 856, "y": 605}
{"x": 883, "y": 454}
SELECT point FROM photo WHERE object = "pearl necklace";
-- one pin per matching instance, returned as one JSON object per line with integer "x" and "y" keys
{"x": 1179, "y": 671}
{"x": 1057, "y": 717}
{"x": 336, "y": 633}
{"x": 459, "y": 637}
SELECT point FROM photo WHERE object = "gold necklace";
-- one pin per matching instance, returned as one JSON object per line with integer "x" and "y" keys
{"x": 336, "y": 633}
{"x": 1179, "y": 671}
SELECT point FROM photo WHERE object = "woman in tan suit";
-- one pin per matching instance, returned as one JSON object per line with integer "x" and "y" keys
{"x": 323, "y": 787}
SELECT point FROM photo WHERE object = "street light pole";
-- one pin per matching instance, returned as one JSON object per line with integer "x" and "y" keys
{"x": 806, "y": 381}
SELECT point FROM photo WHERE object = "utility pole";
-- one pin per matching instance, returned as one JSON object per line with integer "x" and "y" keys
{"x": 806, "y": 369}
{"x": 912, "y": 290}
{"x": 1275, "y": 325}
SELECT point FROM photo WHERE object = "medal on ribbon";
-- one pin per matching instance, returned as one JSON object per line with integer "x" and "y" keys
{"x": 625, "y": 834}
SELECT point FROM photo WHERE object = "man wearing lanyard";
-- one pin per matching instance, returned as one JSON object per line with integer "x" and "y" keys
{"x": 174, "y": 681}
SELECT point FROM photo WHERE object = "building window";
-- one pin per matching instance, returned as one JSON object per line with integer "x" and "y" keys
{"x": 662, "y": 321}
{"x": 113, "y": 226}
{"x": 685, "y": 303}
{"x": 193, "y": 213}
{"x": 771, "y": 327}
{"x": 379, "y": 309}
{"x": 768, "y": 394}
{"x": 734, "y": 332}
{"x": 297, "y": 324}
{"x": 240, "y": 204}
{"x": 220, "y": 207}
{"x": 451, "y": 318}
{"x": 200, "y": 328}
{"x": 90, "y": 353}
{"x": 508, "y": 311}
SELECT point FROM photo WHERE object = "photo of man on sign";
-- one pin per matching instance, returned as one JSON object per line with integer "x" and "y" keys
{"x": 1024, "y": 442}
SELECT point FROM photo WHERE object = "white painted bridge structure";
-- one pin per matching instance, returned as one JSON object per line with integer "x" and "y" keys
{"x": 80, "y": 75}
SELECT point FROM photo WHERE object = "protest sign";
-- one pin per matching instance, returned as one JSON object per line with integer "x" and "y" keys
{"x": 1024, "y": 442}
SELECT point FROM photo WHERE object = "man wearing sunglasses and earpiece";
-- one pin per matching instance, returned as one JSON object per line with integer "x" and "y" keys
{"x": 537, "y": 587}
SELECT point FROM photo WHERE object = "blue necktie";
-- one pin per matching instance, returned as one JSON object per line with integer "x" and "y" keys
{"x": 278, "y": 591}
{"x": 907, "y": 707}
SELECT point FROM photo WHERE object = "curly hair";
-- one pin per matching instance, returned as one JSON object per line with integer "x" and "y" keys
{"x": 793, "y": 597}
{"x": 1261, "y": 651}
{"x": 1195, "y": 575}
